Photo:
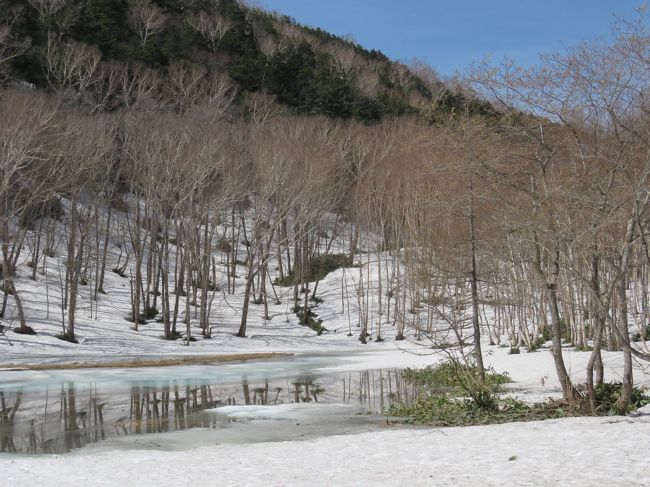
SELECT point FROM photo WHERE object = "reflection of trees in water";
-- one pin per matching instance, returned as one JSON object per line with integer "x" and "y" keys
{"x": 72, "y": 418}
{"x": 377, "y": 390}
{"x": 305, "y": 389}
{"x": 7, "y": 422}
{"x": 79, "y": 418}
{"x": 168, "y": 408}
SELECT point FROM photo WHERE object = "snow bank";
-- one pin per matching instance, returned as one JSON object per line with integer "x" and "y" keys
{"x": 579, "y": 451}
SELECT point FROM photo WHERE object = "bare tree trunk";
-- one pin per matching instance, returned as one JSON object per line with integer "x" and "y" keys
{"x": 628, "y": 386}
{"x": 188, "y": 317}
{"x": 247, "y": 297}
{"x": 37, "y": 249}
{"x": 478, "y": 355}
{"x": 164, "y": 278}
{"x": 205, "y": 273}
{"x": 19, "y": 305}
{"x": 550, "y": 291}
{"x": 595, "y": 361}
{"x": 75, "y": 260}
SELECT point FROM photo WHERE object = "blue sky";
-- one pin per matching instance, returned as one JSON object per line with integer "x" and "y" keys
{"x": 449, "y": 35}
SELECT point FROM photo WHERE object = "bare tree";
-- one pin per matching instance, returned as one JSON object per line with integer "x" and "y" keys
{"x": 145, "y": 19}
{"x": 185, "y": 85}
{"x": 262, "y": 107}
{"x": 71, "y": 65}
{"x": 139, "y": 87}
{"x": 212, "y": 27}
{"x": 220, "y": 93}
{"x": 86, "y": 148}
{"x": 27, "y": 175}
{"x": 108, "y": 87}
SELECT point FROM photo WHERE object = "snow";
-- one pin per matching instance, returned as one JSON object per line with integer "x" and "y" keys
{"x": 579, "y": 451}
{"x": 283, "y": 412}
{"x": 104, "y": 334}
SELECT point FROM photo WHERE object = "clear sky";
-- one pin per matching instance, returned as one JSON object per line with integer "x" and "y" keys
{"x": 450, "y": 34}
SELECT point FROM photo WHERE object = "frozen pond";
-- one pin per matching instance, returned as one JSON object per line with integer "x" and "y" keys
{"x": 181, "y": 407}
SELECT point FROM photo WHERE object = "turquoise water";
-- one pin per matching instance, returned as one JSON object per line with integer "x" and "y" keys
{"x": 182, "y": 407}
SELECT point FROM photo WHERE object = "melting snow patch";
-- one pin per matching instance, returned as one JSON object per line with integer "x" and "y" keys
{"x": 291, "y": 412}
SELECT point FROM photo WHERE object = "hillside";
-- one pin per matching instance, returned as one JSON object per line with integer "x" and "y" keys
{"x": 246, "y": 49}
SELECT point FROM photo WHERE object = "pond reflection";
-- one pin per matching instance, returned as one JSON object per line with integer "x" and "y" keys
{"x": 67, "y": 416}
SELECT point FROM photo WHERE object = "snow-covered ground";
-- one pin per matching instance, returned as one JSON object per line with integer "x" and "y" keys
{"x": 104, "y": 333}
{"x": 578, "y": 451}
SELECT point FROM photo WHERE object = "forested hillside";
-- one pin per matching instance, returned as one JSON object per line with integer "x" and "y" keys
{"x": 205, "y": 45}
{"x": 194, "y": 149}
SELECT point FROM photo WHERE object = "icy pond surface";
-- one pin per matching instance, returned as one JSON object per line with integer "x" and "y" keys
{"x": 171, "y": 408}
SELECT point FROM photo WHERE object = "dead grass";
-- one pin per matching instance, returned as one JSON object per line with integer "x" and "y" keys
{"x": 166, "y": 362}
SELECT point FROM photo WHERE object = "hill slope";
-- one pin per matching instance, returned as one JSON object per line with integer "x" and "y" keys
{"x": 308, "y": 70}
